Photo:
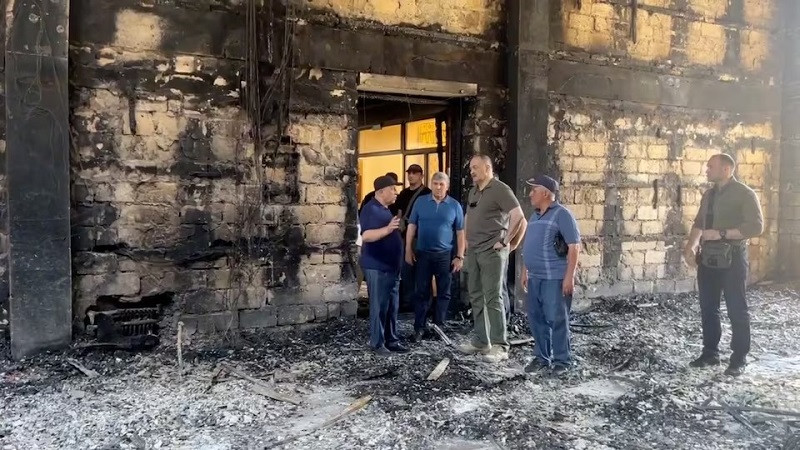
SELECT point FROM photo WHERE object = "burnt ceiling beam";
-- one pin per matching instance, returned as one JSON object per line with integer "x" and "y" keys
{"x": 37, "y": 162}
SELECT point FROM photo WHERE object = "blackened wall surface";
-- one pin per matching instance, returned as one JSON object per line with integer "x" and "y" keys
{"x": 638, "y": 96}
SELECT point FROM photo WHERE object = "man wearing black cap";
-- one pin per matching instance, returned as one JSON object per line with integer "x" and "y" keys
{"x": 402, "y": 207}
{"x": 550, "y": 254}
{"x": 381, "y": 260}
{"x": 370, "y": 195}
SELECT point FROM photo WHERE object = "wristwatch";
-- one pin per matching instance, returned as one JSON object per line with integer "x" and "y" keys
{"x": 723, "y": 233}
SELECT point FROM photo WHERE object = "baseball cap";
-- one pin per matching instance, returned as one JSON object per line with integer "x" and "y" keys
{"x": 414, "y": 168}
{"x": 545, "y": 182}
{"x": 382, "y": 182}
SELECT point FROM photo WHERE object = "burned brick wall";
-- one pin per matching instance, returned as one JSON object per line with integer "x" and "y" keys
{"x": 789, "y": 226}
{"x": 640, "y": 95}
{"x": 185, "y": 192}
{"x": 4, "y": 247}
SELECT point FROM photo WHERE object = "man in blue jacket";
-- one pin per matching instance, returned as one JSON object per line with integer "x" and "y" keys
{"x": 381, "y": 259}
{"x": 550, "y": 254}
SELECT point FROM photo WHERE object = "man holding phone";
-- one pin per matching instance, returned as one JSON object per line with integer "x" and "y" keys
{"x": 381, "y": 260}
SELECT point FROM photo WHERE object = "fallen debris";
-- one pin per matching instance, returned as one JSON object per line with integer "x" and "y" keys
{"x": 439, "y": 370}
{"x": 86, "y": 371}
{"x": 738, "y": 416}
{"x": 773, "y": 411}
{"x": 355, "y": 406}
{"x": 518, "y": 342}
{"x": 48, "y": 404}
{"x": 259, "y": 386}
{"x": 442, "y": 335}
{"x": 180, "y": 348}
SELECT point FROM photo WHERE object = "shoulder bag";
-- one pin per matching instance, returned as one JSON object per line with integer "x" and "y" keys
{"x": 714, "y": 254}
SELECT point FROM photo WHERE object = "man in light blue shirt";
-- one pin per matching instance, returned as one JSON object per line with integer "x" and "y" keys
{"x": 436, "y": 219}
{"x": 550, "y": 254}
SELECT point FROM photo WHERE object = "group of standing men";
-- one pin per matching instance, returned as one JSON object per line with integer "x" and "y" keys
{"x": 424, "y": 234}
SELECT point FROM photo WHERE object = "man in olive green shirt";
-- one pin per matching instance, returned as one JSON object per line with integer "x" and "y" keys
{"x": 729, "y": 215}
{"x": 493, "y": 217}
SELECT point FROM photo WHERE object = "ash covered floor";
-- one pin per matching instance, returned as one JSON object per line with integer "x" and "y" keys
{"x": 631, "y": 389}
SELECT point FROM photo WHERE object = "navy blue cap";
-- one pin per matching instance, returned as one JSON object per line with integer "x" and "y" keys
{"x": 545, "y": 182}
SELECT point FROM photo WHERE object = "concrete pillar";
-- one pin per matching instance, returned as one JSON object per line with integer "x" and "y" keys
{"x": 37, "y": 161}
{"x": 528, "y": 151}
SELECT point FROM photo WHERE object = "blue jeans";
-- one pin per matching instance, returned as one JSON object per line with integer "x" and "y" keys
{"x": 430, "y": 264}
{"x": 382, "y": 288}
{"x": 548, "y": 316}
{"x": 407, "y": 288}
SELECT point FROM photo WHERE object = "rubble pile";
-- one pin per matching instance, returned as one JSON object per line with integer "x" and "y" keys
{"x": 322, "y": 388}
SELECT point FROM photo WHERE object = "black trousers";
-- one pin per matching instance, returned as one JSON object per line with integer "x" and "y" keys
{"x": 732, "y": 282}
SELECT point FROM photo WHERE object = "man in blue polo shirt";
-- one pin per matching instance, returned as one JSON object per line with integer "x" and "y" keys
{"x": 550, "y": 253}
{"x": 436, "y": 219}
{"x": 381, "y": 259}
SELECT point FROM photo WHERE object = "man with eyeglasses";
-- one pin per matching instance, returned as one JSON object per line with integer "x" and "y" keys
{"x": 493, "y": 216}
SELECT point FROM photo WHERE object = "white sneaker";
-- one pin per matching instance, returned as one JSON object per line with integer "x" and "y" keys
{"x": 470, "y": 349}
{"x": 495, "y": 355}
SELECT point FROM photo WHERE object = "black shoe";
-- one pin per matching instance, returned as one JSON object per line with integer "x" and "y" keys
{"x": 560, "y": 370}
{"x": 417, "y": 336}
{"x": 705, "y": 361}
{"x": 381, "y": 351}
{"x": 735, "y": 368}
{"x": 536, "y": 367}
{"x": 397, "y": 348}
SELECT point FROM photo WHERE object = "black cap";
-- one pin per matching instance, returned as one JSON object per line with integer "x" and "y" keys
{"x": 382, "y": 182}
{"x": 414, "y": 168}
{"x": 545, "y": 182}
{"x": 393, "y": 175}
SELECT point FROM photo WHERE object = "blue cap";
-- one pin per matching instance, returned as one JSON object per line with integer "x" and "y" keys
{"x": 545, "y": 182}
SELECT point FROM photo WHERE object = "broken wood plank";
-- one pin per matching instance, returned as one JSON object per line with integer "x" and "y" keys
{"x": 646, "y": 305}
{"x": 354, "y": 407}
{"x": 180, "y": 349}
{"x": 260, "y": 386}
{"x": 85, "y": 370}
{"x": 522, "y": 341}
{"x": 737, "y": 416}
{"x": 443, "y": 336}
{"x": 439, "y": 370}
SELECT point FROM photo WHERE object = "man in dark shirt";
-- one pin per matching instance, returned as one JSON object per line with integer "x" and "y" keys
{"x": 729, "y": 215}
{"x": 381, "y": 259}
{"x": 370, "y": 195}
{"x": 402, "y": 207}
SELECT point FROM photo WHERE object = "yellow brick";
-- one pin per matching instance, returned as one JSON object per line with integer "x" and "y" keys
{"x": 630, "y": 165}
{"x": 759, "y": 12}
{"x": 654, "y": 36}
{"x": 571, "y": 148}
{"x": 634, "y": 150}
{"x": 591, "y": 177}
{"x": 759, "y": 156}
{"x": 652, "y": 166}
{"x": 709, "y": 8}
{"x": 692, "y": 168}
{"x": 581, "y": 22}
{"x": 706, "y": 43}
{"x": 632, "y": 228}
{"x": 652, "y": 227}
{"x": 657, "y": 151}
{"x": 582, "y": 164}
{"x": 587, "y": 227}
{"x": 138, "y": 31}
{"x": 591, "y": 260}
{"x": 754, "y": 46}
{"x": 628, "y": 212}
{"x": 594, "y": 149}
{"x": 603, "y": 10}
{"x": 696, "y": 154}
{"x": 654, "y": 257}
{"x": 658, "y": 3}
{"x": 646, "y": 213}
{"x": 598, "y": 212}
